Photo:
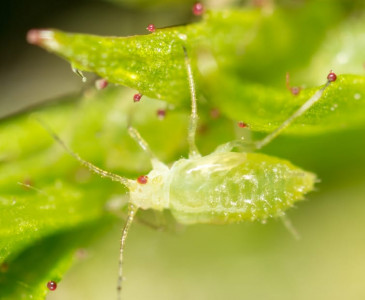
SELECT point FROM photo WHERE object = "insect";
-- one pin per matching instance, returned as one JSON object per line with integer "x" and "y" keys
{"x": 222, "y": 187}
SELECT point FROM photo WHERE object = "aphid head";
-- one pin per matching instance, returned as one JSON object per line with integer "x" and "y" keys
{"x": 149, "y": 191}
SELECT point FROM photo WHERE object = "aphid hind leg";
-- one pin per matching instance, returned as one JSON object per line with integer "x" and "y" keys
{"x": 193, "y": 123}
{"x": 266, "y": 140}
{"x": 132, "y": 210}
{"x": 250, "y": 146}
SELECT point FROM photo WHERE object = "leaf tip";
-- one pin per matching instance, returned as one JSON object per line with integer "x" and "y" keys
{"x": 41, "y": 37}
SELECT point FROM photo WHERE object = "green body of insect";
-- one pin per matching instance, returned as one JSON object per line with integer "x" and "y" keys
{"x": 224, "y": 188}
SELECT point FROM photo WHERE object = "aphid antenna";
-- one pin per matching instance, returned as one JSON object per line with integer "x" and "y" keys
{"x": 308, "y": 104}
{"x": 193, "y": 123}
{"x": 290, "y": 227}
{"x": 88, "y": 165}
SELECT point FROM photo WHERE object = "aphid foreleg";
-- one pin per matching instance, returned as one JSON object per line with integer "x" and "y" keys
{"x": 296, "y": 114}
{"x": 88, "y": 165}
{"x": 132, "y": 210}
{"x": 193, "y": 150}
{"x": 134, "y": 134}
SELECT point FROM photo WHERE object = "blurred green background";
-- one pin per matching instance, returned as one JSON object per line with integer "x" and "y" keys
{"x": 244, "y": 261}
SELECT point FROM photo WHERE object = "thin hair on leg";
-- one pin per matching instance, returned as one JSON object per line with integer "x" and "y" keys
{"x": 193, "y": 123}
{"x": 132, "y": 210}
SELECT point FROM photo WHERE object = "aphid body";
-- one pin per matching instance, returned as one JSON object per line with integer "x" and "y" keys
{"x": 223, "y": 187}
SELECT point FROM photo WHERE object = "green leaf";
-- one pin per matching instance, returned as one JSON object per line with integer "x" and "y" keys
{"x": 26, "y": 276}
{"x": 240, "y": 50}
{"x": 264, "y": 108}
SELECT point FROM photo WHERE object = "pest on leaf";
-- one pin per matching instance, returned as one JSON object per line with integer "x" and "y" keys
{"x": 220, "y": 188}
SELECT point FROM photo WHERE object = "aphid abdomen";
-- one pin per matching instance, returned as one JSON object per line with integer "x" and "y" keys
{"x": 233, "y": 187}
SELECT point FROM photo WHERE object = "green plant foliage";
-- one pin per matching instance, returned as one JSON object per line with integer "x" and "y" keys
{"x": 234, "y": 42}
{"x": 49, "y": 205}
{"x": 27, "y": 275}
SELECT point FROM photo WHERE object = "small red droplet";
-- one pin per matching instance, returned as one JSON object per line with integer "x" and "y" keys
{"x": 101, "y": 83}
{"x": 215, "y": 113}
{"x": 4, "y": 267}
{"x": 331, "y": 77}
{"x": 52, "y": 285}
{"x": 161, "y": 114}
{"x": 295, "y": 90}
{"x": 242, "y": 124}
{"x": 142, "y": 179}
{"x": 151, "y": 28}
{"x": 198, "y": 9}
{"x": 137, "y": 97}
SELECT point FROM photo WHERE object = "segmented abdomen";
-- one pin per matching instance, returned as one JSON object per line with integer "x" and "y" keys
{"x": 232, "y": 187}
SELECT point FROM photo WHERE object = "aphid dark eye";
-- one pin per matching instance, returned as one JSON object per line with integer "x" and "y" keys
{"x": 331, "y": 77}
{"x": 142, "y": 179}
{"x": 151, "y": 28}
{"x": 137, "y": 97}
{"x": 101, "y": 83}
{"x": 161, "y": 114}
{"x": 52, "y": 285}
{"x": 242, "y": 124}
{"x": 198, "y": 9}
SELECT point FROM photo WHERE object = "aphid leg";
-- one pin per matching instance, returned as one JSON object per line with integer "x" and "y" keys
{"x": 88, "y": 165}
{"x": 289, "y": 225}
{"x": 132, "y": 210}
{"x": 295, "y": 115}
{"x": 143, "y": 144}
{"x": 193, "y": 150}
